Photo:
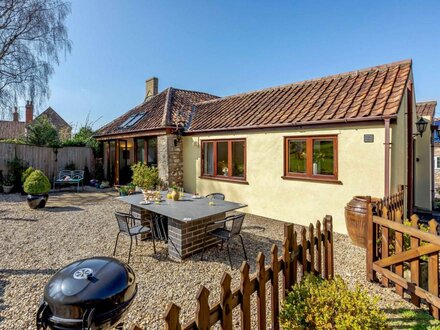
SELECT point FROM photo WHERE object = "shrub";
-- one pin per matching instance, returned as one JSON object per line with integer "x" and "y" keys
{"x": 71, "y": 166}
{"x": 16, "y": 167}
{"x": 26, "y": 173}
{"x": 319, "y": 304}
{"x": 37, "y": 183}
{"x": 145, "y": 176}
{"x": 42, "y": 133}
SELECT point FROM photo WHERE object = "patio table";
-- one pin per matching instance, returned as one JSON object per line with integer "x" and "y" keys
{"x": 187, "y": 219}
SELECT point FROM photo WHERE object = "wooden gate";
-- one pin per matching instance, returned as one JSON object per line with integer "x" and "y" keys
{"x": 398, "y": 249}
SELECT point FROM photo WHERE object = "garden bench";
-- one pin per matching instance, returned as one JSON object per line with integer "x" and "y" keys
{"x": 69, "y": 177}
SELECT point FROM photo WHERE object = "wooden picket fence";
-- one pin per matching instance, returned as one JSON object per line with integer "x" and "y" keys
{"x": 389, "y": 205}
{"x": 393, "y": 246}
{"x": 306, "y": 251}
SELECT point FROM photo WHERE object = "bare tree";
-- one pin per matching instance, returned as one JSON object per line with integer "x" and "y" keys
{"x": 32, "y": 37}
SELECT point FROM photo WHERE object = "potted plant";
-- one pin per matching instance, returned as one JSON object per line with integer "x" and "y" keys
{"x": 8, "y": 184}
{"x": 145, "y": 177}
{"x": 37, "y": 186}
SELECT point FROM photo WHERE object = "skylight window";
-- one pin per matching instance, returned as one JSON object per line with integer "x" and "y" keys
{"x": 132, "y": 120}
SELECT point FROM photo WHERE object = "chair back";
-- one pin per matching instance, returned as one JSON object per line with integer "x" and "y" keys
{"x": 237, "y": 223}
{"x": 63, "y": 174}
{"x": 122, "y": 222}
{"x": 216, "y": 196}
{"x": 77, "y": 175}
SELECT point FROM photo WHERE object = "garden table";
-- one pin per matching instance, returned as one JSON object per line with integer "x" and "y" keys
{"x": 187, "y": 219}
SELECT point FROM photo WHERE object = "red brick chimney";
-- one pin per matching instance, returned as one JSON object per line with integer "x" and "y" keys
{"x": 29, "y": 112}
{"x": 15, "y": 114}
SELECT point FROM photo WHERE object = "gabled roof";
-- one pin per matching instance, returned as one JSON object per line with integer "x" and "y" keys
{"x": 161, "y": 111}
{"x": 12, "y": 129}
{"x": 54, "y": 118}
{"x": 359, "y": 95}
{"x": 426, "y": 109}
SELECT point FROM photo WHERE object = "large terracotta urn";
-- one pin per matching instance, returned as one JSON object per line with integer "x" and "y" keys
{"x": 356, "y": 219}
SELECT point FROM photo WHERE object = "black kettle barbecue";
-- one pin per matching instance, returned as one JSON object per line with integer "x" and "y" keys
{"x": 90, "y": 294}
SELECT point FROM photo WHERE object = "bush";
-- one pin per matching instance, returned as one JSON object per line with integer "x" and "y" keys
{"x": 26, "y": 173}
{"x": 42, "y": 133}
{"x": 319, "y": 304}
{"x": 145, "y": 176}
{"x": 16, "y": 167}
{"x": 37, "y": 183}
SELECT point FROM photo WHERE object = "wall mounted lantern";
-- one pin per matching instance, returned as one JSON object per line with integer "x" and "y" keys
{"x": 421, "y": 126}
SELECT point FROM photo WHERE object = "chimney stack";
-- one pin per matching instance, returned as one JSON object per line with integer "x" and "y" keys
{"x": 151, "y": 87}
{"x": 15, "y": 114}
{"x": 29, "y": 112}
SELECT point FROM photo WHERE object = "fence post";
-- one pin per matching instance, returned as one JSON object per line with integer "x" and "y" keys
{"x": 245, "y": 297}
{"x": 371, "y": 244}
{"x": 415, "y": 264}
{"x": 329, "y": 230}
{"x": 433, "y": 272}
{"x": 226, "y": 302}
{"x": 399, "y": 249}
{"x": 289, "y": 233}
{"x": 304, "y": 251}
{"x": 286, "y": 269}
{"x": 261, "y": 292}
{"x": 318, "y": 248}
{"x": 312, "y": 248}
{"x": 202, "y": 318}
{"x": 172, "y": 317}
{"x": 274, "y": 288}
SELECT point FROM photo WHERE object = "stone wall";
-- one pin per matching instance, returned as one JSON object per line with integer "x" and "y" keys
{"x": 170, "y": 159}
{"x": 436, "y": 171}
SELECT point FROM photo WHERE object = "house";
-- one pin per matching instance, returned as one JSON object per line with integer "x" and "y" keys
{"x": 16, "y": 129}
{"x": 290, "y": 152}
{"x": 149, "y": 133}
{"x": 425, "y": 192}
{"x": 63, "y": 128}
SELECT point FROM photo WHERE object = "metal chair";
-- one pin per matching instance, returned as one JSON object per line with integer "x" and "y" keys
{"x": 216, "y": 196}
{"x": 127, "y": 226}
{"x": 225, "y": 234}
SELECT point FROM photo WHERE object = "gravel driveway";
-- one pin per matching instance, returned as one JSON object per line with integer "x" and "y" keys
{"x": 34, "y": 244}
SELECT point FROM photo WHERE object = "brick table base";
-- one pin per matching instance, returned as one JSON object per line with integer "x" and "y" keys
{"x": 185, "y": 238}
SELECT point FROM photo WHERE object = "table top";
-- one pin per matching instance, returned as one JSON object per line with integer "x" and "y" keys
{"x": 185, "y": 209}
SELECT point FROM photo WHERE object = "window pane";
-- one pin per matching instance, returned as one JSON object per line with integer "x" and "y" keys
{"x": 208, "y": 158}
{"x": 152, "y": 152}
{"x": 323, "y": 157}
{"x": 140, "y": 150}
{"x": 238, "y": 158}
{"x": 222, "y": 158}
{"x": 297, "y": 156}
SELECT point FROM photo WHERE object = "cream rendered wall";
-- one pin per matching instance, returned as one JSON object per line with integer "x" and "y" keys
{"x": 360, "y": 169}
{"x": 423, "y": 170}
{"x": 398, "y": 163}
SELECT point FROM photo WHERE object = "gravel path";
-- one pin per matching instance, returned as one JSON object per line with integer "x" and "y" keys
{"x": 34, "y": 244}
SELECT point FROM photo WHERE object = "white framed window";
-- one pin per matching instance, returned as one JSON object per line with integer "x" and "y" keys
{"x": 437, "y": 162}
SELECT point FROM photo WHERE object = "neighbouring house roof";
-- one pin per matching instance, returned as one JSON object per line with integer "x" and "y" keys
{"x": 426, "y": 109}
{"x": 358, "y": 95}
{"x": 54, "y": 118}
{"x": 160, "y": 111}
{"x": 12, "y": 129}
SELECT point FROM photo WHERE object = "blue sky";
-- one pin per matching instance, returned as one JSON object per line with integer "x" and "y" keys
{"x": 227, "y": 47}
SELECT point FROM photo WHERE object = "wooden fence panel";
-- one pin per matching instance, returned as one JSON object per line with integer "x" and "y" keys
{"x": 48, "y": 160}
{"x": 292, "y": 255}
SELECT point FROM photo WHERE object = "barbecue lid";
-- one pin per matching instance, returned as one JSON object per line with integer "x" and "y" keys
{"x": 99, "y": 282}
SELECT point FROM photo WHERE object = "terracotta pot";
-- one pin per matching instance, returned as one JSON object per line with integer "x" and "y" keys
{"x": 356, "y": 219}
{"x": 175, "y": 195}
{"x": 37, "y": 201}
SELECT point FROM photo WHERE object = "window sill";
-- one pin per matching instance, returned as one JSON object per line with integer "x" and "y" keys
{"x": 216, "y": 178}
{"x": 323, "y": 180}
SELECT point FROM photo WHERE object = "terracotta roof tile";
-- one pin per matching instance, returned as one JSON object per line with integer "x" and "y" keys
{"x": 163, "y": 110}
{"x": 372, "y": 92}
{"x": 426, "y": 108}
